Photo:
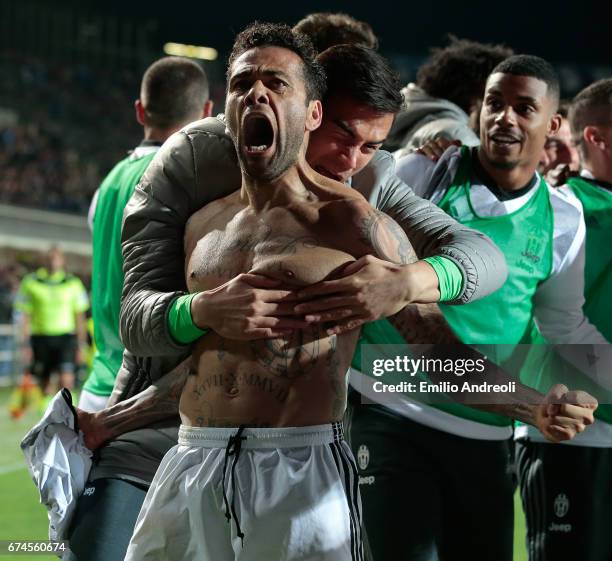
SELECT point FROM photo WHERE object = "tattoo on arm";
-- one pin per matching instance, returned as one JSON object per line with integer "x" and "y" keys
{"x": 159, "y": 401}
{"x": 424, "y": 324}
{"x": 386, "y": 238}
{"x": 521, "y": 404}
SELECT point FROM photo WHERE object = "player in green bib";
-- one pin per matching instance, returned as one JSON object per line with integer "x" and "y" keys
{"x": 174, "y": 92}
{"x": 567, "y": 490}
{"x": 52, "y": 303}
{"x": 452, "y": 462}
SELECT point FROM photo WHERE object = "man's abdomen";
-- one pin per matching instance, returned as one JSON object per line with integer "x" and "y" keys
{"x": 295, "y": 381}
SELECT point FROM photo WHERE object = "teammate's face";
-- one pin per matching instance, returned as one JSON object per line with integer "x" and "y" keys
{"x": 517, "y": 115}
{"x": 266, "y": 110}
{"x": 347, "y": 139}
{"x": 55, "y": 260}
{"x": 559, "y": 149}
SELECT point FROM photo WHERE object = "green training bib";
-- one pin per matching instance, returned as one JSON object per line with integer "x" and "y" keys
{"x": 525, "y": 237}
{"x": 107, "y": 270}
{"x": 506, "y": 316}
{"x": 597, "y": 204}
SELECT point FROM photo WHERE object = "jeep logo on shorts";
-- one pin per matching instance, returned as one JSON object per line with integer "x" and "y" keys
{"x": 89, "y": 491}
{"x": 363, "y": 456}
{"x": 561, "y": 505}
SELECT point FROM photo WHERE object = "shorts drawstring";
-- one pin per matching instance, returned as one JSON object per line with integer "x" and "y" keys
{"x": 233, "y": 448}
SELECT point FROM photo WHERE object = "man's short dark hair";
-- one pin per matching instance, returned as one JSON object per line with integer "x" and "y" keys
{"x": 326, "y": 29}
{"x": 534, "y": 67}
{"x": 459, "y": 71}
{"x": 592, "y": 106}
{"x": 280, "y": 35}
{"x": 363, "y": 75}
{"x": 173, "y": 91}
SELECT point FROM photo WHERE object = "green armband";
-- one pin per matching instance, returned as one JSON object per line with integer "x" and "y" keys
{"x": 180, "y": 323}
{"x": 450, "y": 278}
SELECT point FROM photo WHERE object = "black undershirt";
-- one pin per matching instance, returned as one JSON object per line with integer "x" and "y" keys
{"x": 485, "y": 179}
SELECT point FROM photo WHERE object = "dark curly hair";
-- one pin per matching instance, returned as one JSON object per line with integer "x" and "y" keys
{"x": 459, "y": 72}
{"x": 262, "y": 34}
{"x": 326, "y": 29}
{"x": 363, "y": 75}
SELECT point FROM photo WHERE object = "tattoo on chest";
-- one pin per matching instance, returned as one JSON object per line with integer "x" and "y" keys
{"x": 221, "y": 350}
{"x": 290, "y": 356}
{"x": 229, "y": 380}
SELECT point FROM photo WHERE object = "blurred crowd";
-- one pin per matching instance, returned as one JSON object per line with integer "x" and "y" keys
{"x": 73, "y": 122}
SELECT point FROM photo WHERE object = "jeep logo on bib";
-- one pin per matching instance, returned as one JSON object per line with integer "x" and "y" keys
{"x": 561, "y": 505}
{"x": 363, "y": 456}
{"x": 533, "y": 248}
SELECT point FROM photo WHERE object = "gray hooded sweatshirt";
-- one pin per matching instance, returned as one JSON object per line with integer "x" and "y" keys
{"x": 424, "y": 118}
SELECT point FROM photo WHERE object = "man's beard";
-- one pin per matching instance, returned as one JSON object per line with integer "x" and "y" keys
{"x": 497, "y": 164}
{"x": 504, "y": 165}
{"x": 280, "y": 162}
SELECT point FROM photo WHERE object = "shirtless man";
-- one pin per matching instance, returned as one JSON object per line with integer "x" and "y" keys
{"x": 261, "y": 435}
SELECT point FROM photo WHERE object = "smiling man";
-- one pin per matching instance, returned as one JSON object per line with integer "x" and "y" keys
{"x": 495, "y": 189}
{"x": 261, "y": 443}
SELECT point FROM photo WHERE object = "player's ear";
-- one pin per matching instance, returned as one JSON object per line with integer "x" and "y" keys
{"x": 592, "y": 135}
{"x": 314, "y": 115}
{"x": 140, "y": 112}
{"x": 554, "y": 124}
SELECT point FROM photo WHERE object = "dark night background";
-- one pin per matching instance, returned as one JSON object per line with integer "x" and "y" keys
{"x": 70, "y": 71}
{"x": 561, "y": 31}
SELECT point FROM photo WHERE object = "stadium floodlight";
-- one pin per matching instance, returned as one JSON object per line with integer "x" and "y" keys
{"x": 191, "y": 51}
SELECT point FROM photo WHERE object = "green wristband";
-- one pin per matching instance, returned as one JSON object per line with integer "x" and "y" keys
{"x": 450, "y": 278}
{"x": 180, "y": 323}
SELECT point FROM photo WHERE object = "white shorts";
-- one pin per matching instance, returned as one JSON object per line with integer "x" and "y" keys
{"x": 291, "y": 493}
{"x": 91, "y": 402}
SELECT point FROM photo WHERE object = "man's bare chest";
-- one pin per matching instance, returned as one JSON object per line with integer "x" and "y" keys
{"x": 289, "y": 253}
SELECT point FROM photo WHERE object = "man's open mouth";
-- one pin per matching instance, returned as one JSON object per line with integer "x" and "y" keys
{"x": 504, "y": 139}
{"x": 258, "y": 134}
